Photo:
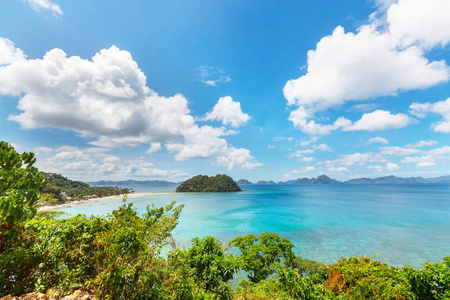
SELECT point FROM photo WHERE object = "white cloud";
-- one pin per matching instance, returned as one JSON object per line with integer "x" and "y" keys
{"x": 370, "y": 63}
{"x": 237, "y": 158}
{"x": 309, "y": 141}
{"x": 39, "y": 150}
{"x": 96, "y": 164}
{"x": 440, "y": 151}
{"x": 337, "y": 169}
{"x": 199, "y": 142}
{"x": 442, "y": 108}
{"x": 307, "y": 159}
{"x": 10, "y": 54}
{"x": 396, "y": 150}
{"x": 282, "y": 138}
{"x": 212, "y": 76}
{"x": 45, "y": 5}
{"x": 154, "y": 147}
{"x": 229, "y": 112}
{"x": 379, "y": 120}
{"x": 392, "y": 167}
{"x": 421, "y": 144}
{"x": 378, "y": 139}
{"x": 323, "y": 147}
{"x": 299, "y": 153}
{"x": 357, "y": 159}
{"x": 300, "y": 117}
{"x": 378, "y": 169}
{"x": 426, "y": 22}
{"x": 105, "y": 98}
{"x": 298, "y": 173}
{"x": 422, "y": 161}
{"x": 430, "y": 157}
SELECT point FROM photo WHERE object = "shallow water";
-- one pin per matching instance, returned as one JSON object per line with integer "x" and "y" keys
{"x": 403, "y": 224}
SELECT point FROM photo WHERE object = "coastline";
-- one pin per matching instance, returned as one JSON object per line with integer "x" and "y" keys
{"x": 80, "y": 201}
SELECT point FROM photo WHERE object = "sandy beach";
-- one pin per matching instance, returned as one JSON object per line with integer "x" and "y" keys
{"x": 76, "y": 202}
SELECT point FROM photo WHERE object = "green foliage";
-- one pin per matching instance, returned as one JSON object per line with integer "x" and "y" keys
{"x": 19, "y": 185}
{"x": 210, "y": 266}
{"x": 299, "y": 287}
{"x": 115, "y": 256}
{"x": 51, "y": 214}
{"x": 218, "y": 183}
{"x": 47, "y": 197}
{"x": 306, "y": 267}
{"x": 363, "y": 278}
{"x": 263, "y": 290}
{"x": 260, "y": 255}
{"x": 431, "y": 282}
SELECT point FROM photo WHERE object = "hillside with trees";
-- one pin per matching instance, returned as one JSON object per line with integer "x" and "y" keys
{"x": 58, "y": 188}
{"x": 205, "y": 184}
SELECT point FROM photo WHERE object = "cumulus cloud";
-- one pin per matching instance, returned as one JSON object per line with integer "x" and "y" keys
{"x": 96, "y": 163}
{"x": 422, "y": 161}
{"x": 323, "y": 147}
{"x": 154, "y": 147}
{"x": 45, "y": 5}
{"x": 378, "y": 169}
{"x": 392, "y": 167}
{"x": 442, "y": 108}
{"x": 237, "y": 158}
{"x": 378, "y": 139}
{"x": 379, "y": 120}
{"x": 105, "y": 98}
{"x": 430, "y": 157}
{"x": 389, "y": 167}
{"x": 378, "y": 60}
{"x": 418, "y": 21}
{"x": 229, "y": 112}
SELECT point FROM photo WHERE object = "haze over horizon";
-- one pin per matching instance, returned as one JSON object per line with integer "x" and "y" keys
{"x": 257, "y": 89}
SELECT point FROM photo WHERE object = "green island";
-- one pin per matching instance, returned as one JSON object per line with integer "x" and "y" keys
{"x": 120, "y": 256}
{"x": 206, "y": 184}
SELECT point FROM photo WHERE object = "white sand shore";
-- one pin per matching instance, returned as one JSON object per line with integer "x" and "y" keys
{"x": 75, "y": 202}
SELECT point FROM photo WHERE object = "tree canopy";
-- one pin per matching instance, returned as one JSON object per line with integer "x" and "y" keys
{"x": 213, "y": 184}
{"x": 20, "y": 182}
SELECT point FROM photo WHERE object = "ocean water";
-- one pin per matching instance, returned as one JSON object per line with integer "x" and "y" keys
{"x": 400, "y": 224}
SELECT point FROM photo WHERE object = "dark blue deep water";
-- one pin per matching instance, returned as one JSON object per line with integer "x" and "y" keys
{"x": 401, "y": 224}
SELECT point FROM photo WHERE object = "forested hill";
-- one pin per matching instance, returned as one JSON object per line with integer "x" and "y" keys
{"x": 58, "y": 188}
{"x": 213, "y": 184}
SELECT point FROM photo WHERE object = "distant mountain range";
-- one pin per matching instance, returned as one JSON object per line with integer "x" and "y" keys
{"x": 323, "y": 179}
{"x": 133, "y": 182}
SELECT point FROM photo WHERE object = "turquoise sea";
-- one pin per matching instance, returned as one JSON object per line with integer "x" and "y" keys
{"x": 401, "y": 224}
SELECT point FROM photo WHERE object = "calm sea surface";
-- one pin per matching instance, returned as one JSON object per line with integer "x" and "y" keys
{"x": 402, "y": 224}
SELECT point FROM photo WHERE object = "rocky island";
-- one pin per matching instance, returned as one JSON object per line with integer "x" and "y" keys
{"x": 206, "y": 184}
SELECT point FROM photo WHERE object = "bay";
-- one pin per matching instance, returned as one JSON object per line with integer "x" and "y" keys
{"x": 400, "y": 224}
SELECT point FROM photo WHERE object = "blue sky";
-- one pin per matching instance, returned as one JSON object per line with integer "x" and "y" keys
{"x": 262, "y": 90}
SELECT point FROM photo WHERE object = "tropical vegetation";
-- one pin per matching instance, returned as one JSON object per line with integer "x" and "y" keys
{"x": 213, "y": 184}
{"x": 125, "y": 255}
